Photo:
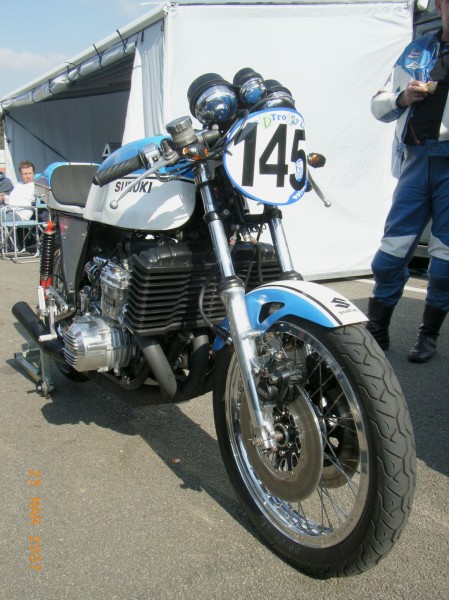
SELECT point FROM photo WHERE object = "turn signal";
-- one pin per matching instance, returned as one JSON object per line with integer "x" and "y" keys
{"x": 195, "y": 152}
{"x": 316, "y": 160}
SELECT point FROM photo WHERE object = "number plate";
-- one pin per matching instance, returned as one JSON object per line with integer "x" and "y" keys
{"x": 267, "y": 160}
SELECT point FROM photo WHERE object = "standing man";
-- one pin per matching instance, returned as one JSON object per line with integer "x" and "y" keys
{"x": 421, "y": 110}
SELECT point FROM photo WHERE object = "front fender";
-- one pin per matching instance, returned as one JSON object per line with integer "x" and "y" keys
{"x": 317, "y": 303}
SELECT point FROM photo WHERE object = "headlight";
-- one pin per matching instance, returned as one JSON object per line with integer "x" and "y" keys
{"x": 251, "y": 86}
{"x": 212, "y": 99}
{"x": 277, "y": 96}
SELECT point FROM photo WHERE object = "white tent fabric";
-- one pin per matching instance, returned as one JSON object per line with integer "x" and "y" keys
{"x": 333, "y": 56}
{"x": 145, "y": 114}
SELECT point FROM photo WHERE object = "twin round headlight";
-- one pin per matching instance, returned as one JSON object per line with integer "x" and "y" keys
{"x": 214, "y": 101}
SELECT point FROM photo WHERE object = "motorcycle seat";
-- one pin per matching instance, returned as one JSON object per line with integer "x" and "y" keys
{"x": 63, "y": 185}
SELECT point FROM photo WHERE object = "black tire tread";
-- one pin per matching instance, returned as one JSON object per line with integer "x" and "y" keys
{"x": 392, "y": 420}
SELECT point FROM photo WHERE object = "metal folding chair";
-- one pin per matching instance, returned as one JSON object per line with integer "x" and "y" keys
{"x": 13, "y": 245}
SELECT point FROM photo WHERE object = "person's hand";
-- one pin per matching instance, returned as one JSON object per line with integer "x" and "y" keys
{"x": 416, "y": 91}
{"x": 2, "y": 198}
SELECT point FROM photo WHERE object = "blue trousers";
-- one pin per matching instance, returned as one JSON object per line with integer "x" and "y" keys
{"x": 422, "y": 193}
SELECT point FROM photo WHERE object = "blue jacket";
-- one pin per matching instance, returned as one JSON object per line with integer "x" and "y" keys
{"x": 6, "y": 184}
{"x": 422, "y": 52}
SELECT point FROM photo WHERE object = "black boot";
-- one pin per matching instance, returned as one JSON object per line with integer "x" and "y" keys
{"x": 426, "y": 342}
{"x": 379, "y": 315}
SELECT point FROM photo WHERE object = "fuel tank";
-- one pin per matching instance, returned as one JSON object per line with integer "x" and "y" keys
{"x": 150, "y": 205}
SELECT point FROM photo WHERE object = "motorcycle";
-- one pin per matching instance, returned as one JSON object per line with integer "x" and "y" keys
{"x": 155, "y": 282}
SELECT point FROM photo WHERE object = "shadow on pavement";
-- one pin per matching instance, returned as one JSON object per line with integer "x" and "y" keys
{"x": 189, "y": 451}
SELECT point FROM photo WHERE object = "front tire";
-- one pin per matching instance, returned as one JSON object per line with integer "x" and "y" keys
{"x": 335, "y": 494}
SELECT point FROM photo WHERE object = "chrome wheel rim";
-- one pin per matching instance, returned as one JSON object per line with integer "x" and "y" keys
{"x": 325, "y": 510}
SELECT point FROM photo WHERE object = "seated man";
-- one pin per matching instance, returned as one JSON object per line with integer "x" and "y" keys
{"x": 22, "y": 195}
{"x": 23, "y": 192}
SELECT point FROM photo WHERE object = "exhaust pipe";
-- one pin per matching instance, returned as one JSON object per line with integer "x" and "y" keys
{"x": 34, "y": 327}
{"x": 170, "y": 390}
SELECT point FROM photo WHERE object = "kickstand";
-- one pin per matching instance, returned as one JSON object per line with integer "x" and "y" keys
{"x": 37, "y": 365}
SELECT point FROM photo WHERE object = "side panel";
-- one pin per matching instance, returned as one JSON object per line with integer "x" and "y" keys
{"x": 150, "y": 205}
{"x": 73, "y": 243}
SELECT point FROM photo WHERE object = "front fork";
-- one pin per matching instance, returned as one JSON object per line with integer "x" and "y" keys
{"x": 232, "y": 294}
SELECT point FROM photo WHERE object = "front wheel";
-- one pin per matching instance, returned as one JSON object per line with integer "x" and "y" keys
{"x": 335, "y": 493}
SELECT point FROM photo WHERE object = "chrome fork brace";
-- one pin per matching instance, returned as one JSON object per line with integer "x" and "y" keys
{"x": 232, "y": 293}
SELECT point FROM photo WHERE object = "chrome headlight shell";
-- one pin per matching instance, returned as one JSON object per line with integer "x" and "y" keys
{"x": 212, "y": 100}
{"x": 277, "y": 96}
{"x": 251, "y": 86}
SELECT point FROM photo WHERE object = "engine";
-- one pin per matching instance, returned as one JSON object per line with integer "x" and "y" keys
{"x": 155, "y": 293}
{"x": 96, "y": 340}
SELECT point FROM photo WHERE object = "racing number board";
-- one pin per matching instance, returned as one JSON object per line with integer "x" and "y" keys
{"x": 266, "y": 159}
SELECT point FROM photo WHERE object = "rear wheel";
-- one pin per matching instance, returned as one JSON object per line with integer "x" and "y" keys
{"x": 335, "y": 493}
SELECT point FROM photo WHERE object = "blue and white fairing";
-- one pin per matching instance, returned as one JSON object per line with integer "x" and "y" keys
{"x": 304, "y": 299}
{"x": 151, "y": 205}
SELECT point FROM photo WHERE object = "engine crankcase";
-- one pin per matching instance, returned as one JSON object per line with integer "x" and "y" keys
{"x": 90, "y": 344}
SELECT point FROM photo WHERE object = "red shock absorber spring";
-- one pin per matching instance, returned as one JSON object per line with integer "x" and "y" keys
{"x": 48, "y": 245}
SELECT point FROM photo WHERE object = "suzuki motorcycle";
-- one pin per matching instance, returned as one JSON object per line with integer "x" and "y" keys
{"x": 157, "y": 282}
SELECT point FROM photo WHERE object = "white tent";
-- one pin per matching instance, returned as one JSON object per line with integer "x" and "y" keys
{"x": 333, "y": 56}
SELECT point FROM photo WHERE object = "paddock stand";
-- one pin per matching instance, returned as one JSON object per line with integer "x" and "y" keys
{"x": 37, "y": 365}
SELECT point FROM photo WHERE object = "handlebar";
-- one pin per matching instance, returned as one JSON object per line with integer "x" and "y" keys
{"x": 121, "y": 169}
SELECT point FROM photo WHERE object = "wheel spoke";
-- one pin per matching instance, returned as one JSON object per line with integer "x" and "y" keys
{"x": 341, "y": 515}
{"x": 351, "y": 485}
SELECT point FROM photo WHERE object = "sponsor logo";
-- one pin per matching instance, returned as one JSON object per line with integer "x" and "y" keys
{"x": 341, "y": 303}
{"x": 413, "y": 65}
{"x": 143, "y": 187}
{"x": 414, "y": 53}
{"x": 348, "y": 310}
{"x": 284, "y": 117}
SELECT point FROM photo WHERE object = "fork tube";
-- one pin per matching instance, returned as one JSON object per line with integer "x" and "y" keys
{"x": 219, "y": 239}
{"x": 232, "y": 293}
{"x": 280, "y": 241}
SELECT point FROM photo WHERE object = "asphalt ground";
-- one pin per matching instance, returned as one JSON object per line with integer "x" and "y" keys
{"x": 134, "y": 504}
